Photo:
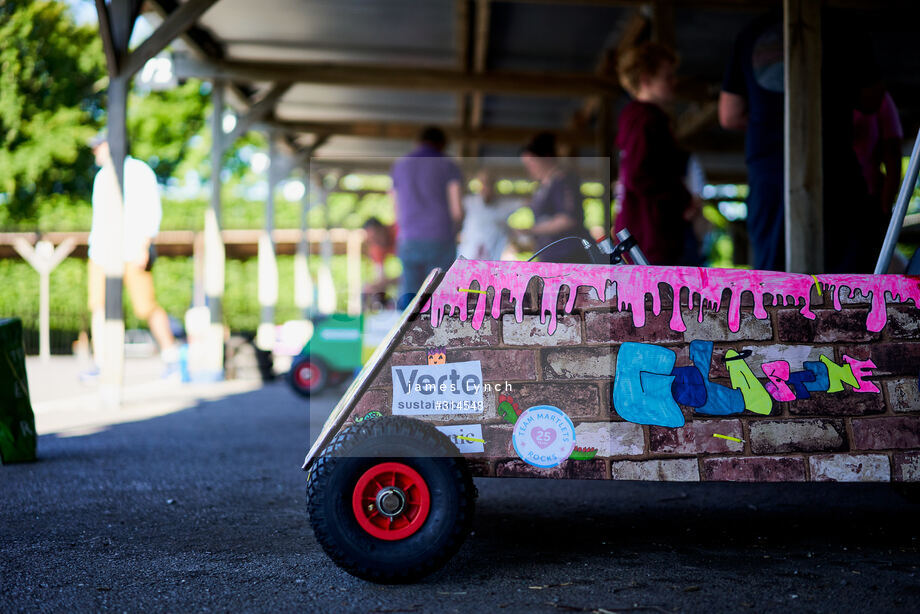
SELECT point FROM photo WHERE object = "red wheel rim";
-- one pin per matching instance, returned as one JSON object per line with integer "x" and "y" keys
{"x": 307, "y": 374}
{"x": 385, "y": 484}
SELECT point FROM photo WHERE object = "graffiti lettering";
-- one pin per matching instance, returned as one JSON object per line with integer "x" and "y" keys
{"x": 756, "y": 398}
{"x": 720, "y": 400}
{"x": 778, "y": 374}
{"x": 642, "y": 385}
{"x": 862, "y": 369}
{"x": 649, "y": 389}
{"x": 838, "y": 375}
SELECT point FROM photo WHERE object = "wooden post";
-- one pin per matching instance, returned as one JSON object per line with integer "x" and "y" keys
{"x": 116, "y": 23}
{"x": 803, "y": 156}
{"x": 353, "y": 270}
{"x": 214, "y": 250}
{"x": 268, "y": 266}
{"x": 326, "y": 299}
{"x": 111, "y": 357}
{"x": 303, "y": 281}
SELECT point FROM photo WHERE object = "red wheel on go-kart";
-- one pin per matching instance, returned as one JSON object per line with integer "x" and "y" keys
{"x": 391, "y": 501}
{"x": 308, "y": 375}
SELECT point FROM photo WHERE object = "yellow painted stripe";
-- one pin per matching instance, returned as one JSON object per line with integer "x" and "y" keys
{"x": 817, "y": 285}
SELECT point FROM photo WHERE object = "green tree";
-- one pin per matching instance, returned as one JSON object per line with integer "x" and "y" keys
{"x": 161, "y": 125}
{"x": 50, "y": 103}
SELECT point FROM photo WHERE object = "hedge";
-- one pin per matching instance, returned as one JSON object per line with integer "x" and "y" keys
{"x": 173, "y": 279}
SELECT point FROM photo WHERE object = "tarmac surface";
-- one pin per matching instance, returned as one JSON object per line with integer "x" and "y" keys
{"x": 191, "y": 499}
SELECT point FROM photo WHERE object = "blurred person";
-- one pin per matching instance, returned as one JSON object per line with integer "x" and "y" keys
{"x": 427, "y": 192}
{"x": 556, "y": 204}
{"x": 142, "y": 214}
{"x": 655, "y": 204}
{"x": 485, "y": 228}
{"x": 877, "y": 135}
{"x": 752, "y": 100}
{"x": 380, "y": 240}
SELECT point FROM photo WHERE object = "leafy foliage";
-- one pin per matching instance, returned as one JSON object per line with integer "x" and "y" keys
{"x": 160, "y": 125}
{"x": 49, "y": 102}
{"x": 173, "y": 279}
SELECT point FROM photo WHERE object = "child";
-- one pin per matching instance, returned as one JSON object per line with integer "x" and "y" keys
{"x": 654, "y": 203}
{"x": 485, "y": 228}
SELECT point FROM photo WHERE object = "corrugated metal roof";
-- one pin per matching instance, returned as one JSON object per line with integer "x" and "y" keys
{"x": 563, "y": 36}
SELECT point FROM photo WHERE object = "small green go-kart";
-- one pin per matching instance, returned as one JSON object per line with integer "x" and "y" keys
{"x": 332, "y": 353}
{"x": 339, "y": 345}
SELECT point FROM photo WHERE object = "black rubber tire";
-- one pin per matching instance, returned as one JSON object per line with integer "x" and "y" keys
{"x": 332, "y": 480}
{"x": 303, "y": 391}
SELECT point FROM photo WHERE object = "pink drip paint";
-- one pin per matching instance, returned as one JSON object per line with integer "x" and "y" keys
{"x": 633, "y": 284}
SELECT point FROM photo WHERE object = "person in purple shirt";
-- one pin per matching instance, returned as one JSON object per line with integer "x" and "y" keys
{"x": 427, "y": 192}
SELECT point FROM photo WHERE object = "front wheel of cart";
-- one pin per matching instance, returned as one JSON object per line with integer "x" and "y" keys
{"x": 390, "y": 500}
{"x": 308, "y": 376}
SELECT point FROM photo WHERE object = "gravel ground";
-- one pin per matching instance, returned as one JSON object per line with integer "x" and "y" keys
{"x": 202, "y": 510}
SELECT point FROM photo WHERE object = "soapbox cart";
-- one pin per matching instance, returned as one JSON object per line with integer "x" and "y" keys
{"x": 611, "y": 372}
{"x": 509, "y": 369}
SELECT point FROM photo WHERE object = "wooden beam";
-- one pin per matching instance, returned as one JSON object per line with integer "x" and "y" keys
{"x": 480, "y": 56}
{"x": 105, "y": 30}
{"x": 400, "y": 78}
{"x": 122, "y": 15}
{"x": 464, "y": 29}
{"x": 481, "y": 35}
{"x": 204, "y": 46}
{"x": 257, "y": 112}
{"x": 175, "y": 24}
{"x": 803, "y": 155}
{"x": 409, "y": 131}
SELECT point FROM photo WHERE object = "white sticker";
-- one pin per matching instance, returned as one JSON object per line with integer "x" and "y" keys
{"x": 423, "y": 390}
{"x": 467, "y": 437}
{"x": 544, "y": 436}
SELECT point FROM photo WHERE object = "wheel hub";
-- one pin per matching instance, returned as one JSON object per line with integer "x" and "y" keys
{"x": 391, "y": 501}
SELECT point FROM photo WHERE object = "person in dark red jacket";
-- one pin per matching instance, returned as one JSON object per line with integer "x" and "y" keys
{"x": 654, "y": 203}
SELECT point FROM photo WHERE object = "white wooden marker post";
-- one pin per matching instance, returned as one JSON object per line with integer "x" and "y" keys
{"x": 353, "y": 250}
{"x": 303, "y": 282}
{"x": 44, "y": 258}
{"x": 268, "y": 265}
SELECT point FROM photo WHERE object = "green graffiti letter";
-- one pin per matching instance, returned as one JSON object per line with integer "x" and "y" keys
{"x": 837, "y": 374}
{"x": 755, "y": 395}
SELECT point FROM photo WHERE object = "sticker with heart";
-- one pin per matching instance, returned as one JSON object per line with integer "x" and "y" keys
{"x": 543, "y": 436}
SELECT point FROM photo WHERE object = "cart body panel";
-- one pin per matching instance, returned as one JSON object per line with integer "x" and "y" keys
{"x": 657, "y": 373}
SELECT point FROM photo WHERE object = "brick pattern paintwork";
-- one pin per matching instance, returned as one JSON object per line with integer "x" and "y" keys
{"x": 846, "y": 436}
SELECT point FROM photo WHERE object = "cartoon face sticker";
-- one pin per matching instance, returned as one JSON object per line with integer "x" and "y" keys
{"x": 437, "y": 356}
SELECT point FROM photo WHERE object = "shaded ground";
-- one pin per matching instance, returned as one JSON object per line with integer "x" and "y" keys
{"x": 202, "y": 510}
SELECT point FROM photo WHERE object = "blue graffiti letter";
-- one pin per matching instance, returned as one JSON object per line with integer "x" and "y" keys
{"x": 821, "y": 381}
{"x": 642, "y": 387}
{"x": 720, "y": 400}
